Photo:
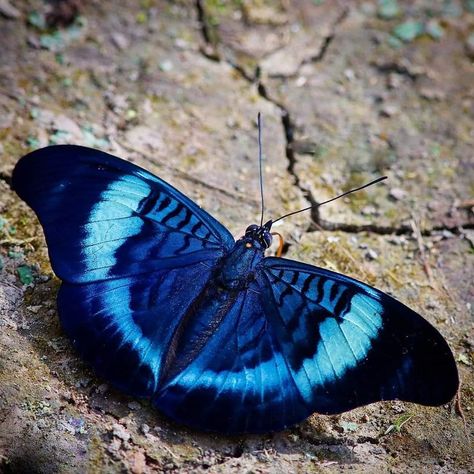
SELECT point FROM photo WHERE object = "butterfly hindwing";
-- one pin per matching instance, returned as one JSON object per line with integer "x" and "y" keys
{"x": 124, "y": 326}
{"x": 348, "y": 344}
{"x": 239, "y": 381}
{"x": 104, "y": 217}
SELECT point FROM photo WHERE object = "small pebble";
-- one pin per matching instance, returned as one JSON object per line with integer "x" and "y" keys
{"x": 301, "y": 81}
{"x": 368, "y": 211}
{"x": 430, "y": 93}
{"x": 447, "y": 234}
{"x": 231, "y": 122}
{"x": 120, "y": 432}
{"x": 181, "y": 43}
{"x": 8, "y": 10}
{"x": 120, "y": 40}
{"x": 389, "y": 110}
{"x": 166, "y": 65}
{"x": 469, "y": 45}
{"x": 350, "y": 74}
{"x": 397, "y": 193}
{"x": 114, "y": 446}
{"x": 371, "y": 255}
{"x": 394, "y": 240}
{"x": 394, "y": 80}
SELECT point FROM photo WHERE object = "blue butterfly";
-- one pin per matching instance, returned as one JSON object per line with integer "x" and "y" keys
{"x": 162, "y": 301}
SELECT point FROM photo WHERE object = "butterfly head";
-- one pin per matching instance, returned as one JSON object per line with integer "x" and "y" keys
{"x": 258, "y": 234}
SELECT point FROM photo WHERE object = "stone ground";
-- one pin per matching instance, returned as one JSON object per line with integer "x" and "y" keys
{"x": 348, "y": 91}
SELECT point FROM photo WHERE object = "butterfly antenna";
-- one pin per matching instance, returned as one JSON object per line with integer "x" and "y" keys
{"x": 259, "y": 123}
{"x": 332, "y": 199}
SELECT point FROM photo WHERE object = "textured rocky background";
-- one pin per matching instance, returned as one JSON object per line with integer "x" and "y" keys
{"x": 348, "y": 91}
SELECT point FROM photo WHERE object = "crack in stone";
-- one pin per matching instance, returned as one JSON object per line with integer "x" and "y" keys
{"x": 329, "y": 38}
{"x": 385, "y": 230}
{"x": 322, "y": 50}
{"x": 288, "y": 127}
{"x": 394, "y": 67}
{"x": 287, "y": 122}
{"x": 318, "y": 223}
{"x": 202, "y": 19}
{"x": 320, "y": 55}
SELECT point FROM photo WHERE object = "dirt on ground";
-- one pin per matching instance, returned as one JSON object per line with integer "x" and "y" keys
{"x": 348, "y": 90}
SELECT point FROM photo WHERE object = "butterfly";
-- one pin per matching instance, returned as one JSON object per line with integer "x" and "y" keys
{"x": 165, "y": 304}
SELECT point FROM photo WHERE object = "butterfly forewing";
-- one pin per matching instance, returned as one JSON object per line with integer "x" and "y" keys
{"x": 106, "y": 218}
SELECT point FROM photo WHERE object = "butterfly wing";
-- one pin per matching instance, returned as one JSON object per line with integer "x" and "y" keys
{"x": 132, "y": 251}
{"x": 104, "y": 217}
{"x": 300, "y": 340}
{"x": 124, "y": 327}
{"x": 239, "y": 381}
{"x": 348, "y": 344}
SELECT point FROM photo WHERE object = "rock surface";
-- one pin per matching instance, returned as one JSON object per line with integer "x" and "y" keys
{"x": 347, "y": 93}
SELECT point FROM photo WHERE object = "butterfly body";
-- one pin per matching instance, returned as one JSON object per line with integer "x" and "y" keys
{"x": 162, "y": 301}
{"x": 237, "y": 269}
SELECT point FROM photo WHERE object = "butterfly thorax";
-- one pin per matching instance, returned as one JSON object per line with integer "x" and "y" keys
{"x": 237, "y": 268}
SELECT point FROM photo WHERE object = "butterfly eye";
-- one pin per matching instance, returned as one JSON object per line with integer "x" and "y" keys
{"x": 251, "y": 229}
{"x": 267, "y": 238}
